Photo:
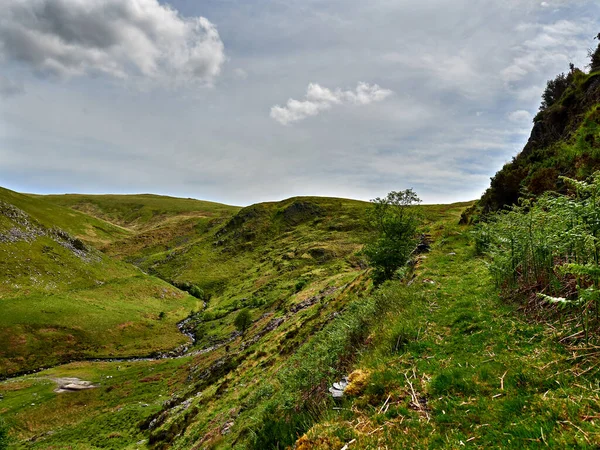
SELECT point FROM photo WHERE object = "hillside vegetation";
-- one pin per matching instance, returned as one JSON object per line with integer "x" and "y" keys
{"x": 63, "y": 300}
{"x": 293, "y": 265}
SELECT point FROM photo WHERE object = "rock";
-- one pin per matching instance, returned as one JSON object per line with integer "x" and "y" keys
{"x": 337, "y": 390}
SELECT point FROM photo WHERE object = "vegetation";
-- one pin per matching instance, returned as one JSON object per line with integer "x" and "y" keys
{"x": 488, "y": 341}
{"x": 549, "y": 250}
{"x": 554, "y": 90}
{"x": 449, "y": 364}
{"x": 62, "y": 300}
{"x": 395, "y": 224}
{"x": 242, "y": 321}
{"x": 3, "y": 434}
{"x": 595, "y": 57}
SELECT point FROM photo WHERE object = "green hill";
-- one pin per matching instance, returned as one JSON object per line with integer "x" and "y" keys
{"x": 63, "y": 300}
{"x": 143, "y": 211}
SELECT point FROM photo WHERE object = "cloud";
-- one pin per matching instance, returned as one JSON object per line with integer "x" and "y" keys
{"x": 120, "y": 38}
{"x": 10, "y": 88}
{"x": 554, "y": 44}
{"x": 319, "y": 99}
{"x": 520, "y": 116}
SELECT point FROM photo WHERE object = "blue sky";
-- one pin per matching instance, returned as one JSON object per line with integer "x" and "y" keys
{"x": 241, "y": 102}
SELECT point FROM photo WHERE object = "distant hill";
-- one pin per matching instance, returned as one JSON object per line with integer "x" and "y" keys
{"x": 142, "y": 211}
{"x": 61, "y": 299}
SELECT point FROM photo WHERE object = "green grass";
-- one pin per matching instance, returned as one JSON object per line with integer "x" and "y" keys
{"x": 470, "y": 371}
{"x": 142, "y": 211}
{"x": 90, "y": 229}
{"x": 60, "y": 302}
{"x": 104, "y": 417}
{"x": 267, "y": 258}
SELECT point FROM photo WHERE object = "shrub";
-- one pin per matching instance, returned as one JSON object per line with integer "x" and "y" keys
{"x": 554, "y": 91}
{"x": 243, "y": 320}
{"x": 550, "y": 249}
{"x": 595, "y": 56}
{"x": 301, "y": 284}
{"x": 395, "y": 223}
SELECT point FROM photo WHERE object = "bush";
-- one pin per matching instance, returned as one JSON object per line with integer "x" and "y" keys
{"x": 300, "y": 284}
{"x": 554, "y": 91}
{"x": 395, "y": 222}
{"x": 595, "y": 56}
{"x": 550, "y": 250}
{"x": 243, "y": 320}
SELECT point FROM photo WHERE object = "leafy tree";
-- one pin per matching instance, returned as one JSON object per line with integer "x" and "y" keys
{"x": 554, "y": 91}
{"x": 242, "y": 321}
{"x": 395, "y": 222}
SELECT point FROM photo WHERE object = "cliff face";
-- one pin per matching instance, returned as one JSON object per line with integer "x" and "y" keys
{"x": 564, "y": 141}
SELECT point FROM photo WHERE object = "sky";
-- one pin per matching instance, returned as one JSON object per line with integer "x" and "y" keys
{"x": 247, "y": 101}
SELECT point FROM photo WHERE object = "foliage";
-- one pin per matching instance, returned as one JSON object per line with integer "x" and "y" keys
{"x": 300, "y": 284}
{"x": 550, "y": 248}
{"x": 4, "y": 439}
{"x": 475, "y": 373}
{"x": 595, "y": 57}
{"x": 554, "y": 91}
{"x": 565, "y": 140}
{"x": 395, "y": 222}
{"x": 243, "y": 320}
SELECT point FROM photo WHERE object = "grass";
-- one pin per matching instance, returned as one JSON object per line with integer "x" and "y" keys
{"x": 62, "y": 301}
{"x": 143, "y": 211}
{"x": 451, "y": 365}
{"x": 104, "y": 417}
{"x": 89, "y": 229}
{"x": 270, "y": 259}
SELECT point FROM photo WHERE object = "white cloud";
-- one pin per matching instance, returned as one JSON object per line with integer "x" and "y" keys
{"x": 319, "y": 99}
{"x": 552, "y": 45}
{"x": 121, "y": 38}
{"x": 520, "y": 116}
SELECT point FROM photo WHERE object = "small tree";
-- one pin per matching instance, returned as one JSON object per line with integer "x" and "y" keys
{"x": 395, "y": 222}
{"x": 554, "y": 91}
{"x": 242, "y": 321}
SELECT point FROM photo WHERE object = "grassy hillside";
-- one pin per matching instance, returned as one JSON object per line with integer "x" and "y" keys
{"x": 229, "y": 379}
{"x": 143, "y": 211}
{"x": 89, "y": 229}
{"x": 63, "y": 300}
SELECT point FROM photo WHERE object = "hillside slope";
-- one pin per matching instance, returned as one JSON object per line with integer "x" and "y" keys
{"x": 303, "y": 319}
{"x": 63, "y": 300}
{"x": 143, "y": 211}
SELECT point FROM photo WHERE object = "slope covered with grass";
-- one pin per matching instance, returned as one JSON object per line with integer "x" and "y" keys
{"x": 143, "y": 211}
{"x": 221, "y": 393}
{"x": 63, "y": 300}
{"x": 451, "y": 365}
